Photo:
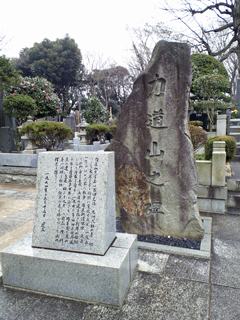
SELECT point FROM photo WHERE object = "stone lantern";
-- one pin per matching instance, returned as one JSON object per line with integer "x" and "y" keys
{"x": 83, "y": 132}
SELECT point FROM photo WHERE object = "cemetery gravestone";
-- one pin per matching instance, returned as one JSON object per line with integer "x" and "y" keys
{"x": 200, "y": 117}
{"x": 7, "y": 140}
{"x": 156, "y": 174}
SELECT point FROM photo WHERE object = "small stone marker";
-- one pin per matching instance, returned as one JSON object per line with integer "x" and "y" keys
{"x": 75, "y": 203}
{"x": 156, "y": 174}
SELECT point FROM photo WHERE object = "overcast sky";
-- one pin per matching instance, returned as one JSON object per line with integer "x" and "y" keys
{"x": 95, "y": 25}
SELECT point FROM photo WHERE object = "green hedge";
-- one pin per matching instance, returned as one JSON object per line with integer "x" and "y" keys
{"x": 230, "y": 147}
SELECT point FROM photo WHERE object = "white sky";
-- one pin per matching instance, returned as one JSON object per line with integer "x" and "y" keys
{"x": 95, "y": 25}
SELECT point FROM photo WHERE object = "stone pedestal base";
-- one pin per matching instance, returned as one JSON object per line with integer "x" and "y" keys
{"x": 101, "y": 279}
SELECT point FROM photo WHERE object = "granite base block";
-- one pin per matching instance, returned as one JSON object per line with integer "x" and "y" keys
{"x": 94, "y": 278}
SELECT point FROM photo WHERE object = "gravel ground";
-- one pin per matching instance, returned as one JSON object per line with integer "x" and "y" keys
{"x": 169, "y": 241}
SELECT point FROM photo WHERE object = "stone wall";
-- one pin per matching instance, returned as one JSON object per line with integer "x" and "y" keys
{"x": 19, "y": 175}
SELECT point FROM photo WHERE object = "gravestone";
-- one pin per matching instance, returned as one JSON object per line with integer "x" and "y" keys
{"x": 75, "y": 251}
{"x": 70, "y": 122}
{"x": 200, "y": 117}
{"x": 7, "y": 140}
{"x": 156, "y": 174}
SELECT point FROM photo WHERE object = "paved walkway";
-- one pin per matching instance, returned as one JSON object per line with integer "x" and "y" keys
{"x": 165, "y": 286}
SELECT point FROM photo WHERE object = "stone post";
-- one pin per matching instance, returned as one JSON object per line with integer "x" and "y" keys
{"x": 76, "y": 141}
{"x": 218, "y": 163}
{"x": 238, "y": 97}
{"x": 221, "y": 124}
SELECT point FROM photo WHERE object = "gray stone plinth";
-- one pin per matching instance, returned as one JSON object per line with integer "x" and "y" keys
{"x": 102, "y": 279}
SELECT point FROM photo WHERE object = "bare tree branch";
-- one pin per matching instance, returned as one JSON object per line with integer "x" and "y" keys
{"x": 214, "y": 6}
{"x": 224, "y": 27}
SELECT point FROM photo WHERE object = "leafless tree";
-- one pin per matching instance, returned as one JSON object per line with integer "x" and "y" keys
{"x": 110, "y": 83}
{"x": 194, "y": 15}
{"x": 2, "y": 41}
{"x": 143, "y": 42}
{"x": 93, "y": 61}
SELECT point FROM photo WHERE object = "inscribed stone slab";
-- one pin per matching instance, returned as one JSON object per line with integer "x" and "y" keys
{"x": 75, "y": 202}
{"x": 156, "y": 174}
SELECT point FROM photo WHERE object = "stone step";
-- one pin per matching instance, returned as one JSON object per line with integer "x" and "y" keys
{"x": 231, "y": 210}
{"x": 233, "y": 199}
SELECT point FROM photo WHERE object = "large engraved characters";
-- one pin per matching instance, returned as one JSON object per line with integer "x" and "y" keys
{"x": 156, "y": 175}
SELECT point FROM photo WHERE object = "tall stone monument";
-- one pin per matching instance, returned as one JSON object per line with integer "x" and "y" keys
{"x": 156, "y": 174}
{"x": 75, "y": 251}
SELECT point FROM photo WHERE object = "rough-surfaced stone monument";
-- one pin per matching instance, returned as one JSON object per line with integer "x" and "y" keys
{"x": 75, "y": 251}
{"x": 156, "y": 174}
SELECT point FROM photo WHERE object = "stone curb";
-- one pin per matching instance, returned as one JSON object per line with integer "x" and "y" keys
{"x": 203, "y": 253}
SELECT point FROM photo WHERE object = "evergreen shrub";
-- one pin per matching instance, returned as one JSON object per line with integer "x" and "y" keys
{"x": 230, "y": 147}
{"x": 96, "y": 132}
{"x": 47, "y": 134}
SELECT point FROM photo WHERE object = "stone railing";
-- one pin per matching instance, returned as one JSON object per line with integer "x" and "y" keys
{"x": 212, "y": 190}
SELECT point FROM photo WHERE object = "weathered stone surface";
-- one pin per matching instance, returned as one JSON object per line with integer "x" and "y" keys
{"x": 75, "y": 202}
{"x": 156, "y": 175}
